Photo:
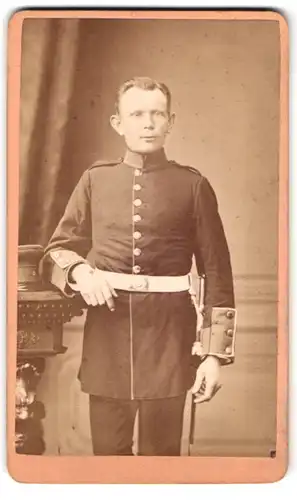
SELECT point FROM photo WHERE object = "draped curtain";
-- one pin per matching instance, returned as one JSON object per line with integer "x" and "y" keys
{"x": 49, "y": 54}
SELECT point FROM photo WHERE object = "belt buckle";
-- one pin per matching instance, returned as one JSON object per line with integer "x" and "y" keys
{"x": 139, "y": 283}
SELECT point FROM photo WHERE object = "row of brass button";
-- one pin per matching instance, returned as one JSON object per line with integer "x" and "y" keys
{"x": 137, "y": 218}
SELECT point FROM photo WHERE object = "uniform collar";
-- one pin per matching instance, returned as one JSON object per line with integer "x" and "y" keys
{"x": 147, "y": 162}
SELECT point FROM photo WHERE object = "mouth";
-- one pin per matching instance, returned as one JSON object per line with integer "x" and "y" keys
{"x": 149, "y": 137}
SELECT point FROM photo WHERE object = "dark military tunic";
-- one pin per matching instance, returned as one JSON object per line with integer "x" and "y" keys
{"x": 143, "y": 215}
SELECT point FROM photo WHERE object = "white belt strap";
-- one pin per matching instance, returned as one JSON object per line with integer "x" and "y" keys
{"x": 145, "y": 283}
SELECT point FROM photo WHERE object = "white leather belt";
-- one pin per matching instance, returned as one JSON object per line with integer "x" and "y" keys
{"x": 145, "y": 283}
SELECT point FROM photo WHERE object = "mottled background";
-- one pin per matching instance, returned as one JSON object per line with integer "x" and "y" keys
{"x": 224, "y": 78}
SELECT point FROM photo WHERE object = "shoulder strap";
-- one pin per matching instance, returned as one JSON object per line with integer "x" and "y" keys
{"x": 192, "y": 169}
{"x": 105, "y": 163}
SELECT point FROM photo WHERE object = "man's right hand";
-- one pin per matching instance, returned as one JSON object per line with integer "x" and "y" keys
{"x": 93, "y": 287}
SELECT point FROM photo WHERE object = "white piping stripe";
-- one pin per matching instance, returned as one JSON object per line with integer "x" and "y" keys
{"x": 131, "y": 346}
{"x": 130, "y": 297}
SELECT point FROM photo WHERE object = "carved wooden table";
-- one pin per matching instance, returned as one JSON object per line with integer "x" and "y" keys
{"x": 41, "y": 315}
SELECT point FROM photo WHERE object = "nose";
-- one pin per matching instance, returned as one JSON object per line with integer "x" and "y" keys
{"x": 148, "y": 121}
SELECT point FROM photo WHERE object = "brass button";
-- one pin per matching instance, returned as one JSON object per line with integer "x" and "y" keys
{"x": 137, "y": 187}
{"x": 229, "y": 332}
{"x": 137, "y": 218}
{"x": 137, "y": 202}
{"x": 137, "y": 235}
{"x": 228, "y": 350}
{"x": 136, "y": 269}
{"x": 137, "y": 252}
{"x": 138, "y": 172}
{"x": 230, "y": 314}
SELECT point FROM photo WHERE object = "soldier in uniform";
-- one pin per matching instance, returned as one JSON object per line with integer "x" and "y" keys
{"x": 144, "y": 217}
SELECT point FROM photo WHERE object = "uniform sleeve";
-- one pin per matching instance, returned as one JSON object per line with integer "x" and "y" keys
{"x": 72, "y": 239}
{"x": 214, "y": 264}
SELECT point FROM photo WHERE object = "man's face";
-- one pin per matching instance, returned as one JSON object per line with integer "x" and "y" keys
{"x": 143, "y": 119}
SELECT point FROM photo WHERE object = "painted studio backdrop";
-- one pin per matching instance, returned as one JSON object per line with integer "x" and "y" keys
{"x": 224, "y": 78}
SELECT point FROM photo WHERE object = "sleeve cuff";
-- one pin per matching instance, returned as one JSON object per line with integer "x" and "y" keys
{"x": 219, "y": 339}
{"x": 64, "y": 261}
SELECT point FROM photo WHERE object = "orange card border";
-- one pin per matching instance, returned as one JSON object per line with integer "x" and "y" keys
{"x": 137, "y": 470}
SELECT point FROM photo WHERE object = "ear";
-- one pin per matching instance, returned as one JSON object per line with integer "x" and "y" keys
{"x": 115, "y": 122}
{"x": 171, "y": 121}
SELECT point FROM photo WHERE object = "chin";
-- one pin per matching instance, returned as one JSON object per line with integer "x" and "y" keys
{"x": 147, "y": 148}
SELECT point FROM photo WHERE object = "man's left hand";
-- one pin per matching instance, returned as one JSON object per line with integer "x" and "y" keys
{"x": 207, "y": 380}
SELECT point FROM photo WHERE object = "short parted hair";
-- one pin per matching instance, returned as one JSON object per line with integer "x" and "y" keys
{"x": 145, "y": 83}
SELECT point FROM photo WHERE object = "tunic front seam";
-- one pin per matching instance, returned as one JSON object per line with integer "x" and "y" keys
{"x": 131, "y": 345}
{"x": 130, "y": 297}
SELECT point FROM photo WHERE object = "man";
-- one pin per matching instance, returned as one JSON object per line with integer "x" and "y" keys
{"x": 144, "y": 217}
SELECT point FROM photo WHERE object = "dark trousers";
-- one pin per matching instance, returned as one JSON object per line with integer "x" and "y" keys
{"x": 159, "y": 432}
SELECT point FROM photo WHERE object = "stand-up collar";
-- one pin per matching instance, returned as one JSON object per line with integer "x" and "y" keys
{"x": 145, "y": 161}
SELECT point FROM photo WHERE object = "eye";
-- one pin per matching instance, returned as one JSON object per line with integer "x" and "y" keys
{"x": 136, "y": 113}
